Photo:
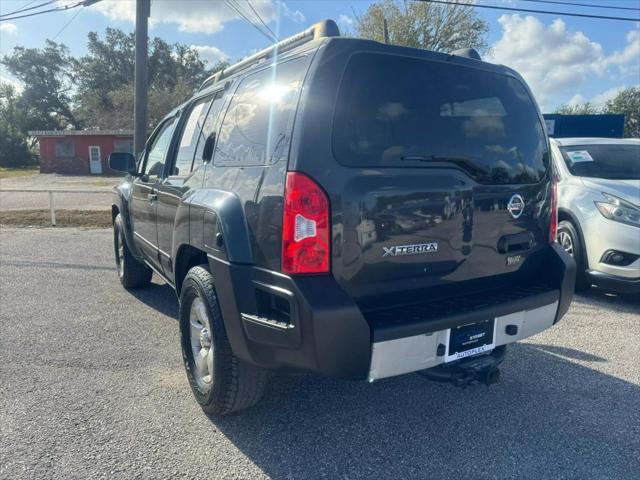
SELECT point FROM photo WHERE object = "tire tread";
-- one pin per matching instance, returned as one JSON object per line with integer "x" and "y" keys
{"x": 240, "y": 385}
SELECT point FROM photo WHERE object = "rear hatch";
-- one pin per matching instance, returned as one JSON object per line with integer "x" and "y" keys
{"x": 444, "y": 183}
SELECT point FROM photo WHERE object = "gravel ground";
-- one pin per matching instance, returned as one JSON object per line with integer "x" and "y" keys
{"x": 35, "y": 200}
{"x": 92, "y": 386}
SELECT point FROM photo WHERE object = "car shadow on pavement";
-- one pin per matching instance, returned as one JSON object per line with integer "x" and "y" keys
{"x": 597, "y": 298}
{"x": 548, "y": 418}
{"x": 159, "y": 296}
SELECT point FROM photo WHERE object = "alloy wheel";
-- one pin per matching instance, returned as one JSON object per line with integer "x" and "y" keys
{"x": 120, "y": 254}
{"x": 201, "y": 344}
{"x": 566, "y": 242}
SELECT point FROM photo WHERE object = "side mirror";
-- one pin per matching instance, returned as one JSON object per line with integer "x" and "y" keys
{"x": 209, "y": 145}
{"x": 122, "y": 162}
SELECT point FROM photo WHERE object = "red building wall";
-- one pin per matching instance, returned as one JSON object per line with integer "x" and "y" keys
{"x": 79, "y": 163}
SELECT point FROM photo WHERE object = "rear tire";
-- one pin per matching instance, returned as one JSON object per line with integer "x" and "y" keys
{"x": 569, "y": 240}
{"x": 220, "y": 381}
{"x": 131, "y": 272}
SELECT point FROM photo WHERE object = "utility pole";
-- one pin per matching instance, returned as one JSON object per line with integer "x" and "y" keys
{"x": 385, "y": 30}
{"x": 143, "y": 11}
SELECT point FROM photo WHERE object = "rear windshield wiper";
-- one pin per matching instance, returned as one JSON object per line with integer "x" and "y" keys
{"x": 464, "y": 162}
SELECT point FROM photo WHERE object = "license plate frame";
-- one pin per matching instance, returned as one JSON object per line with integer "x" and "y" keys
{"x": 470, "y": 339}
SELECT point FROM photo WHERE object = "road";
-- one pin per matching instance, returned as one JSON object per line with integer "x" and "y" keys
{"x": 92, "y": 386}
{"x": 36, "y": 200}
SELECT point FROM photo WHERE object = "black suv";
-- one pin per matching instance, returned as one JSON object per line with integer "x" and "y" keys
{"x": 349, "y": 208}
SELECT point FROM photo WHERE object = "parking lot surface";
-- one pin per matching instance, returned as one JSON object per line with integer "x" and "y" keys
{"x": 92, "y": 386}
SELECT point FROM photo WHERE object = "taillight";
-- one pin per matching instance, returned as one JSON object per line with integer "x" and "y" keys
{"x": 305, "y": 226}
{"x": 553, "y": 224}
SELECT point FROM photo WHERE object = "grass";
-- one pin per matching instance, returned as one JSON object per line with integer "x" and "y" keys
{"x": 7, "y": 172}
{"x": 64, "y": 218}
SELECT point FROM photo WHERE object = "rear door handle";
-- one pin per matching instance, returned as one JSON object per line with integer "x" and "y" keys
{"x": 518, "y": 241}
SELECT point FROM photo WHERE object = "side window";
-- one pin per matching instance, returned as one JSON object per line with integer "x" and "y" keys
{"x": 189, "y": 137}
{"x": 209, "y": 126}
{"x": 256, "y": 128}
{"x": 156, "y": 154}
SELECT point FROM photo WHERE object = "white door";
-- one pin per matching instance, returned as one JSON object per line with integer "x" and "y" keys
{"x": 95, "y": 160}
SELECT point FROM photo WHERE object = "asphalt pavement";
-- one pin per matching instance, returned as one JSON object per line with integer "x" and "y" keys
{"x": 92, "y": 386}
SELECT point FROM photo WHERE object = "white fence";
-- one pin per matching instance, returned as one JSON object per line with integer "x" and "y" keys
{"x": 52, "y": 207}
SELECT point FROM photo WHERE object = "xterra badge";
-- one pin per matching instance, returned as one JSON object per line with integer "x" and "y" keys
{"x": 398, "y": 250}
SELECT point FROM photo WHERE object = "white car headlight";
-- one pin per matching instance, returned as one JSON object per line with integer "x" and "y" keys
{"x": 618, "y": 210}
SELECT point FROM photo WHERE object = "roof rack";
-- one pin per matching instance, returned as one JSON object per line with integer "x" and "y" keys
{"x": 325, "y": 28}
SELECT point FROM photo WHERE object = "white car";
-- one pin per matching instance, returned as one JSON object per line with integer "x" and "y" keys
{"x": 599, "y": 209}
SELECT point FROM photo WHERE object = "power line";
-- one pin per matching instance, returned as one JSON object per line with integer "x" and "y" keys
{"x": 528, "y": 10}
{"x": 261, "y": 20}
{"x": 66, "y": 25}
{"x": 24, "y": 8}
{"x": 243, "y": 15}
{"x": 84, "y": 3}
{"x": 236, "y": 6}
{"x": 554, "y": 2}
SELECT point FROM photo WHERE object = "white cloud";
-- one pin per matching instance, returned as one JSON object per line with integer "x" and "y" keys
{"x": 597, "y": 100}
{"x": 11, "y": 81}
{"x": 630, "y": 53}
{"x": 602, "y": 98}
{"x": 210, "y": 54}
{"x": 577, "y": 99}
{"x": 8, "y": 27}
{"x": 556, "y": 61}
{"x": 295, "y": 15}
{"x": 198, "y": 16}
{"x": 345, "y": 23}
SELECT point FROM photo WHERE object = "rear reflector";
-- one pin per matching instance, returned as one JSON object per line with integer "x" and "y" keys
{"x": 305, "y": 226}
{"x": 553, "y": 224}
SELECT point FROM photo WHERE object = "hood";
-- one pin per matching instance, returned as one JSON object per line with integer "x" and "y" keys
{"x": 628, "y": 190}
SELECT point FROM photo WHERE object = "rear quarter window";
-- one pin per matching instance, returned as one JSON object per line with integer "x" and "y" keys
{"x": 395, "y": 111}
{"x": 257, "y": 126}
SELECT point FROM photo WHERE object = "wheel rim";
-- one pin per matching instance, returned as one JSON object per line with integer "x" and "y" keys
{"x": 201, "y": 344}
{"x": 566, "y": 242}
{"x": 120, "y": 254}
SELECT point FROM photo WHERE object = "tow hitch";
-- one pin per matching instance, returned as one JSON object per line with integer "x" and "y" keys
{"x": 470, "y": 371}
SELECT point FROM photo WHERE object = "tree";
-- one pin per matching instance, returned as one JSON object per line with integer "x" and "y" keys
{"x": 587, "y": 108}
{"x": 106, "y": 76}
{"x": 627, "y": 102}
{"x": 442, "y": 28}
{"x": 14, "y": 148}
{"x": 48, "y": 78}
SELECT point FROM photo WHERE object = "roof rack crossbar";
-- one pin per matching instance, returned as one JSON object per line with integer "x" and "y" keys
{"x": 325, "y": 28}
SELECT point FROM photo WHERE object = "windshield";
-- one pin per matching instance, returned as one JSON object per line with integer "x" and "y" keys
{"x": 613, "y": 162}
{"x": 395, "y": 111}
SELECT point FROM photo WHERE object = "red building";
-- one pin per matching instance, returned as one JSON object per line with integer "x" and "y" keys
{"x": 81, "y": 152}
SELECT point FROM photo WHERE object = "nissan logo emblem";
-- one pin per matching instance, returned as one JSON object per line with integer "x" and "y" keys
{"x": 516, "y": 206}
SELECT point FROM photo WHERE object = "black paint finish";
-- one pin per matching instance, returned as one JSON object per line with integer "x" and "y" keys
{"x": 231, "y": 215}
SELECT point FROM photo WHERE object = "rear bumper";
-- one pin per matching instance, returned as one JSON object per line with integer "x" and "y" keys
{"x": 310, "y": 324}
{"x": 614, "y": 283}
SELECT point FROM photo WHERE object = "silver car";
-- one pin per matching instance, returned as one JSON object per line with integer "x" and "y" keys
{"x": 599, "y": 209}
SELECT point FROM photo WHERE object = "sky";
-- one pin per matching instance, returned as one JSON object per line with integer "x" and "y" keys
{"x": 563, "y": 59}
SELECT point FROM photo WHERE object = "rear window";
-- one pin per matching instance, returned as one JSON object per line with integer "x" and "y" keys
{"x": 397, "y": 111}
{"x": 614, "y": 162}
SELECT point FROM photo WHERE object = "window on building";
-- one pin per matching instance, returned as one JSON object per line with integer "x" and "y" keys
{"x": 256, "y": 127}
{"x": 123, "y": 146}
{"x": 65, "y": 148}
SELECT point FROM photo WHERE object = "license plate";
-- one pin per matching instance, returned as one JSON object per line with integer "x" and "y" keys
{"x": 470, "y": 339}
